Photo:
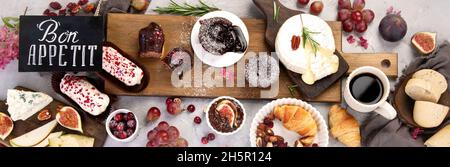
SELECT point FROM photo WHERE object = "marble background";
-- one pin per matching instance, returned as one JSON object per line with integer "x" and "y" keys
{"x": 420, "y": 16}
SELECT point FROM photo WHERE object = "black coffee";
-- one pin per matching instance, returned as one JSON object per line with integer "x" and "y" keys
{"x": 366, "y": 88}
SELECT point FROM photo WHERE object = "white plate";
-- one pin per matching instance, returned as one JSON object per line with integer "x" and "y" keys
{"x": 289, "y": 136}
{"x": 226, "y": 59}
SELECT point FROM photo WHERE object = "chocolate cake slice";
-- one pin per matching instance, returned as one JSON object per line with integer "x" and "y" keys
{"x": 151, "y": 41}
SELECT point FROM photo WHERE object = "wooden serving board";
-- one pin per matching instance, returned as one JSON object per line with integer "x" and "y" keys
{"x": 91, "y": 127}
{"x": 123, "y": 29}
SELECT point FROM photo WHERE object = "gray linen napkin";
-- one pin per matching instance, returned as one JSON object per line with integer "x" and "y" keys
{"x": 380, "y": 132}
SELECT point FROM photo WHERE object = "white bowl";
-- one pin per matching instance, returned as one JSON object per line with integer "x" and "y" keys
{"x": 111, "y": 116}
{"x": 321, "y": 137}
{"x": 225, "y": 133}
{"x": 226, "y": 59}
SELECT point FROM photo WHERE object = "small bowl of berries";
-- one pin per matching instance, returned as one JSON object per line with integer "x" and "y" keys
{"x": 122, "y": 125}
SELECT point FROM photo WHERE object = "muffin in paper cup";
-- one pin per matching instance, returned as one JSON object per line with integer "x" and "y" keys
{"x": 321, "y": 139}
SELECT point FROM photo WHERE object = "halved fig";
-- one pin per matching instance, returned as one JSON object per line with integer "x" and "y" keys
{"x": 424, "y": 42}
{"x": 226, "y": 109}
{"x": 69, "y": 118}
{"x": 6, "y": 126}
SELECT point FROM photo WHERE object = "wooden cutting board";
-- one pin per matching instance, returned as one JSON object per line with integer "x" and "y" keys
{"x": 91, "y": 127}
{"x": 123, "y": 29}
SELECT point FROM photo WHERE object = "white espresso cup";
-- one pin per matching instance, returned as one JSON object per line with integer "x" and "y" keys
{"x": 381, "y": 107}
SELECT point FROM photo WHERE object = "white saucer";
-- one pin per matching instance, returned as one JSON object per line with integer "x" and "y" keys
{"x": 226, "y": 59}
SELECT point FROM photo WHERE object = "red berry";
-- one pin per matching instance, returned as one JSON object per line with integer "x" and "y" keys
{"x": 211, "y": 136}
{"x": 270, "y": 124}
{"x": 348, "y": 25}
{"x": 197, "y": 120}
{"x": 46, "y": 12}
{"x": 120, "y": 126}
{"x": 344, "y": 4}
{"x": 55, "y": 5}
{"x": 116, "y": 133}
{"x": 122, "y": 135}
{"x": 151, "y": 134}
{"x": 62, "y": 12}
{"x": 130, "y": 132}
{"x": 344, "y": 14}
{"x": 112, "y": 124}
{"x": 204, "y": 140}
{"x": 118, "y": 117}
{"x": 169, "y": 101}
{"x": 316, "y": 8}
{"x": 52, "y": 14}
{"x": 303, "y": 2}
{"x": 163, "y": 125}
{"x": 191, "y": 108}
{"x": 83, "y": 2}
{"x": 356, "y": 16}
{"x": 130, "y": 116}
{"x": 131, "y": 123}
{"x": 153, "y": 114}
{"x": 71, "y": 5}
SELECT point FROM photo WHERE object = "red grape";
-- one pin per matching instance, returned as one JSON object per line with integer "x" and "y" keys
{"x": 316, "y": 8}
{"x": 344, "y": 14}
{"x": 361, "y": 27}
{"x": 181, "y": 142}
{"x": 151, "y": 134}
{"x": 204, "y": 140}
{"x": 356, "y": 16}
{"x": 344, "y": 4}
{"x": 163, "y": 137}
{"x": 368, "y": 15}
{"x": 174, "y": 108}
{"x": 153, "y": 143}
{"x": 197, "y": 120}
{"x": 118, "y": 117}
{"x": 169, "y": 100}
{"x": 211, "y": 136}
{"x": 153, "y": 114}
{"x": 173, "y": 133}
{"x": 303, "y": 2}
{"x": 191, "y": 108}
{"x": 348, "y": 25}
{"x": 163, "y": 125}
{"x": 359, "y": 4}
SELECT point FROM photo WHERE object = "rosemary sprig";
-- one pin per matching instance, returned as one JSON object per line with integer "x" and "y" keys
{"x": 292, "y": 89}
{"x": 276, "y": 11}
{"x": 185, "y": 9}
{"x": 307, "y": 37}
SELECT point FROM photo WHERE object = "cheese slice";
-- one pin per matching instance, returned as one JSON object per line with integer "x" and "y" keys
{"x": 24, "y": 104}
{"x": 312, "y": 66}
{"x": 440, "y": 139}
{"x": 428, "y": 114}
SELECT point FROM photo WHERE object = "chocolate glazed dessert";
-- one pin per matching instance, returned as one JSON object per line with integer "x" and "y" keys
{"x": 151, "y": 41}
{"x": 225, "y": 115}
{"x": 218, "y": 36}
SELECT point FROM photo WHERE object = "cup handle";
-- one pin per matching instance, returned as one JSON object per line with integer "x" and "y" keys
{"x": 386, "y": 110}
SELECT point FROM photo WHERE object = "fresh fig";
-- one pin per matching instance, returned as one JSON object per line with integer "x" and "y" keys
{"x": 393, "y": 28}
{"x": 424, "y": 42}
{"x": 6, "y": 126}
{"x": 69, "y": 118}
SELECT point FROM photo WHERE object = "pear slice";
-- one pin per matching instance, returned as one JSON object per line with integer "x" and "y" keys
{"x": 35, "y": 136}
{"x": 72, "y": 140}
{"x": 69, "y": 118}
{"x": 45, "y": 142}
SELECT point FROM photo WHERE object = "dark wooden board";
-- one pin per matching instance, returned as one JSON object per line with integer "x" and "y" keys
{"x": 405, "y": 105}
{"x": 91, "y": 127}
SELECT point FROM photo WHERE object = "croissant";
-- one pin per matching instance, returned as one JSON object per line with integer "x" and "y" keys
{"x": 344, "y": 127}
{"x": 299, "y": 120}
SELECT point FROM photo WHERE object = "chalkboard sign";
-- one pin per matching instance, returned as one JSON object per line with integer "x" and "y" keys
{"x": 60, "y": 43}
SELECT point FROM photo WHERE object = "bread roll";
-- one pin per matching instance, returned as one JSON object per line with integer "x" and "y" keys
{"x": 440, "y": 139}
{"x": 426, "y": 85}
{"x": 428, "y": 114}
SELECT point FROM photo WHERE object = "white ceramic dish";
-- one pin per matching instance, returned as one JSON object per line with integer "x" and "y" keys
{"x": 110, "y": 117}
{"x": 226, "y": 59}
{"x": 225, "y": 133}
{"x": 289, "y": 136}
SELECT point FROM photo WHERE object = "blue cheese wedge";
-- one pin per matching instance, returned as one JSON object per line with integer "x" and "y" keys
{"x": 312, "y": 65}
{"x": 24, "y": 104}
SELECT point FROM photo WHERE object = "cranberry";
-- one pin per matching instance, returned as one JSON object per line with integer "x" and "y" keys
{"x": 130, "y": 116}
{"x": 197, "y": 120}
{"x": 122, "y": 135}
{"x": 120, "y": 126}
{"x": 118, "y": 117}
{"x": 116, "y": 133}
{"x": 191, "y": 108}
{"x": 169, "y": 101}
{"x": 131, "y": 123}
{"x": 204, "y": 140}
{"x": 46, "y": 12}
{"x": 71, "y": 5}
{"x": 211, "y": 136}
{"x": 112, "y": 124}
{"x": 52, "y": 14}
{"x": 55, "y": 5}
{"x": 62, "y": 12}
{"x": 130, "y": 132}
{"x": 83, "y": 2}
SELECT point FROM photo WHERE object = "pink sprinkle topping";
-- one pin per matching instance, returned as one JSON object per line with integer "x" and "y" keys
{"x": 351, "y": 39}
{"x": 363, "y": 42}
{"x": 416, "y": 133}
